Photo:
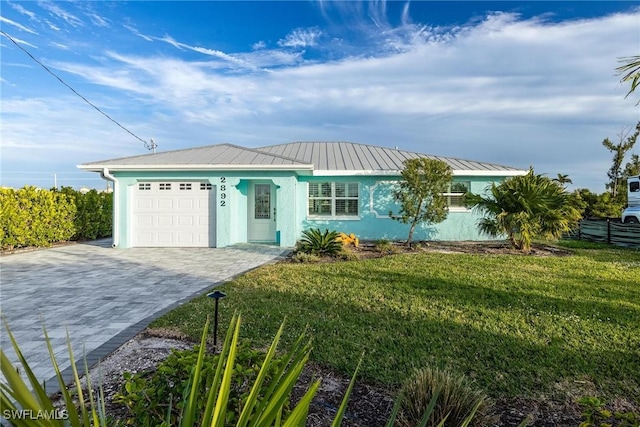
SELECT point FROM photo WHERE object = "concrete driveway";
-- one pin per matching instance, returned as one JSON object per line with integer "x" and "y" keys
{"x": 105, "y": 296}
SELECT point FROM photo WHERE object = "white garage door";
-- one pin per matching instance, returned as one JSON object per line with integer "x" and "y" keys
{"x": 174, "y": 214}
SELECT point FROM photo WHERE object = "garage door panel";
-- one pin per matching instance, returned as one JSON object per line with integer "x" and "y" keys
{"x": 145, "y": 204}
{"x": 144, "y": 220}
{"x": 185, "y": 221}
{"x": 174, "y": 214}
{"x": 185, "y": 239}
{"x": 165, "y": 239}
{"x": 185, "y": 204}
{"x": 165, "y": 203}
{"x": 165, "y": 220}
{"x": 145, "y": 239}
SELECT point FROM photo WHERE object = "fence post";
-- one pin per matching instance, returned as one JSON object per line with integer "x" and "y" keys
{"x": 580, "y": 230}
{"x": 608, "y": 231}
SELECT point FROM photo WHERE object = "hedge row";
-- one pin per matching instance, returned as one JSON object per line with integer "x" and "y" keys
{"x": 34, "y": 217}
{"x": 94, "y": 215}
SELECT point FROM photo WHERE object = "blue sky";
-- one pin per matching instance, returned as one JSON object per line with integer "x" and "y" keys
{"x": 515, "y": 83}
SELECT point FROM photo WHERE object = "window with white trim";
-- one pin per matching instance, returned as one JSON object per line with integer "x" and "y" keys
{"x": 455, "y": 196}
{"x": 334, "y": 199}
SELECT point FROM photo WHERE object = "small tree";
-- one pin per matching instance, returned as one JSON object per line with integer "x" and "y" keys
{"x": 626, "y": 142}
{"x": 524, "y": 208}
{"x": 420, "y": 193}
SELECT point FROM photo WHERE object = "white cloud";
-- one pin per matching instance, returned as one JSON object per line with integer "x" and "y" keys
{"x": 137, "y": 33}
{"x": 205, "y": 51}
{"x": 98, "y": 20}
{"x": 504, "y": 90}
{"x": 22, "y": 10}
{"x": 51, "y": 25}
{"x": 20, "y": 41}
{"x": 59, "y": 46}
{"x": 259, "y": 45}
{"x": 60, "y": 13}
{"x": 17, "y": 25}
{"x": 301, "y": 38}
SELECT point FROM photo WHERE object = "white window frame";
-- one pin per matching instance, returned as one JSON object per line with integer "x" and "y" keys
{"x": 450, "y": 194}
{"x": 333, "y": 198}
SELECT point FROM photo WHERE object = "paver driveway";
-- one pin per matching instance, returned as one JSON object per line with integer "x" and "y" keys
{"x": 105, "y": 296}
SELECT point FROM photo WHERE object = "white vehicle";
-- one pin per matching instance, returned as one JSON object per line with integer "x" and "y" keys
{"x": 631, "y": 215}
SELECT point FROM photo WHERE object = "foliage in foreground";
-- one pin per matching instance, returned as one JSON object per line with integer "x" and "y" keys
{"x": 218, "y": 391}
{"x": 155, "y": 396}
{"x": 265, "y": 404}
{"x": 525, "y": 208}
{"x": 456, "y": 399}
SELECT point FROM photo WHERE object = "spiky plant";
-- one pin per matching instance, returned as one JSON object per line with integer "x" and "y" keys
{"x": 457, "y": 403}
{"x": 320, "y": 243}
{"x": 258, "y": 409}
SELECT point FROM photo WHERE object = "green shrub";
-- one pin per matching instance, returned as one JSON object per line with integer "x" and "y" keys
{"x": 318, "y": 243}
{"x": 385, "y": 247}
{"x": 94, "y": 213}
{"x": 305, "y": 257}
{"x": 347, "y": 254}
{"x": 151, "y": 396}
{"x": 594, "y": 414}
{"x": 456, "y": 400}
{"x": 34, "y": 217}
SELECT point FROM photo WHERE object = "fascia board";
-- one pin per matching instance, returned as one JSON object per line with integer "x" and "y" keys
{"x": 398, "y": 172}
{"x": 174, "y": 168}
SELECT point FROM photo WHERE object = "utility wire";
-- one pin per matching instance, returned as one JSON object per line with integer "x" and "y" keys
{"x": 146, "y": 144}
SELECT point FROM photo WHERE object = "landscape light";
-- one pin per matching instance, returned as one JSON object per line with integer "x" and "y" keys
{"x": 216, "y": 295}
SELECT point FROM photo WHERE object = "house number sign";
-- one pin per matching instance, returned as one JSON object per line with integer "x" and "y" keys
{"x": 223, "y": 191}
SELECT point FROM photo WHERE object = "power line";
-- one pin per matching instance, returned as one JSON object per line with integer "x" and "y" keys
{"x": 146, "y": 144}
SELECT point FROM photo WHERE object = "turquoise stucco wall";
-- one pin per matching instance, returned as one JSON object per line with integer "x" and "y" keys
{"x": 374, "y": 221}
{"x": 231, "y": 219}
{"x": 291, "y": 198}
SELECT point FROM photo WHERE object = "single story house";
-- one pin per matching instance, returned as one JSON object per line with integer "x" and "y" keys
{"x": 219, "y": 195}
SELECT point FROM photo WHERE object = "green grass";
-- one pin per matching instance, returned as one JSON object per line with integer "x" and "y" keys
{"x": 518, "y": 325}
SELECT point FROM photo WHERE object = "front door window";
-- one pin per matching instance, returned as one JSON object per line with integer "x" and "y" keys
{"x": 262, "y": 201}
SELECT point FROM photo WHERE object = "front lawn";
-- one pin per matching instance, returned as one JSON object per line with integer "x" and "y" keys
{"x": 527, "y": 326}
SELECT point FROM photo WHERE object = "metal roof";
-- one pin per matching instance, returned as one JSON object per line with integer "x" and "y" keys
{"x": 211, "y": 156}
{"x": 349, "y": 156}
{"x": 324, "y": 158}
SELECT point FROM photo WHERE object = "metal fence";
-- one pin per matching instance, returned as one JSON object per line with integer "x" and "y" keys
{"x": 610, "y": 231}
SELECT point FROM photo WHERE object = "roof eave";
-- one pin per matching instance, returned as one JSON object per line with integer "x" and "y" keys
{"x": 390, "y": 172}
{"x": 175, "y": 168}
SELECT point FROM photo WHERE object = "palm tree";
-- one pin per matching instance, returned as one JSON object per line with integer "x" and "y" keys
{"x": 631, "y": 69}
{"x": 525, "y": 208}
{"x": 563, "y": 179}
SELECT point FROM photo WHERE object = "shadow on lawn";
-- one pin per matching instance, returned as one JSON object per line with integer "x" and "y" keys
{"x": 397, "y": 339}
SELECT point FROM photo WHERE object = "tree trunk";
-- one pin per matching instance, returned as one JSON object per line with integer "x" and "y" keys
{"x": 413, "y": 226}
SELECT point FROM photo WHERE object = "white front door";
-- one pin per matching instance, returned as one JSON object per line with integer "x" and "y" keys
{"x": 261, "y": 225}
